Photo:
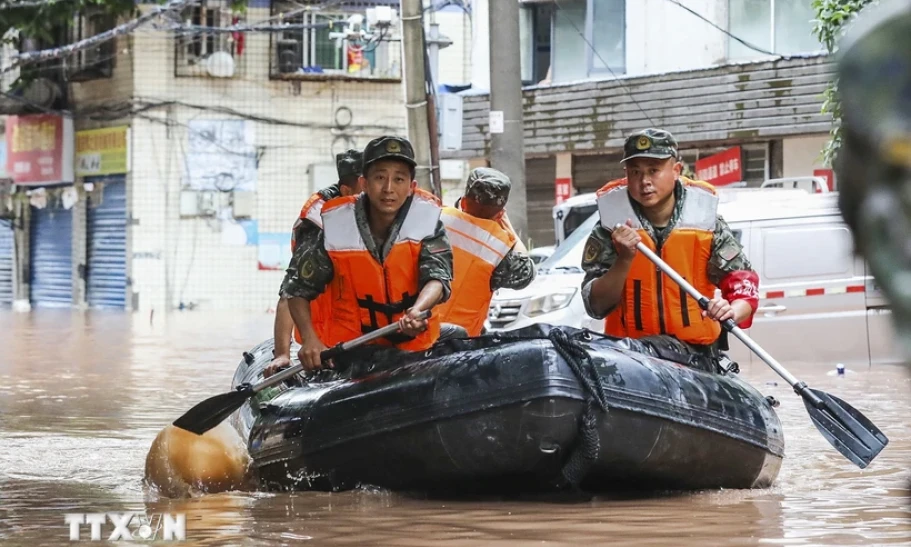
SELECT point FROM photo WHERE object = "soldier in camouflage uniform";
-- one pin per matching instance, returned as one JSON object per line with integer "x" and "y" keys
{"x": 315, "y": 267}
{"x": 488, "y": 253}
{"x": 348, "y": 165}
{"x": 657, "y": 195}
{"x": 874, "y": 162}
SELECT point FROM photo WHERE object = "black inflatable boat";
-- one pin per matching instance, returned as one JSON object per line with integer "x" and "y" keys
{"x": 542, "y": 408}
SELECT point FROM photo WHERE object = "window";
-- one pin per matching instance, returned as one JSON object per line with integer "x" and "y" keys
{"x": 534, "y": 40}
{"x": 825, "y": 252}
{"x": 589, "y": 39}
{"x": 780, "y": 26}
{"x": 317, "y": 49}
{"x": 96, "y": 61}
{"x": 207, "y": 53}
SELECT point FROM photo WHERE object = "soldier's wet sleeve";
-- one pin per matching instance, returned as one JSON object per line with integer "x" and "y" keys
{"x": 435, "y": 261}
{"x": 597, "y": 258}
{"x": 727, "y": 253}
{"x": 310, "y": 269}
{"x": 515, "y": 271}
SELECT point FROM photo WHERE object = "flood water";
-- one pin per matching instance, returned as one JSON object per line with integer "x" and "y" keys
{"x": 82, "y": 395}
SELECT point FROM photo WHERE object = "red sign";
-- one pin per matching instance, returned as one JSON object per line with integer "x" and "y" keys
{"x": 39, "y": 149}
{"x": 827, "y": 174}
{"x": 721, "y": 168}
{"x": 563, "y": 189}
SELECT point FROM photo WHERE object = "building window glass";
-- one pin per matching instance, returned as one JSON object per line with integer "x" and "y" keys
{"x": 587, "y": 34}
{"x": 781, "y": 26}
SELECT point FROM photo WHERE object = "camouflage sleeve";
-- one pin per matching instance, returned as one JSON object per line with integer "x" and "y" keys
{"x": 515, "y": 271}
{"x": 310, "y": 269}
{"x": 597, "y": 259}
{"x": 727, "y": 253}
{"x": 435, "y": 261}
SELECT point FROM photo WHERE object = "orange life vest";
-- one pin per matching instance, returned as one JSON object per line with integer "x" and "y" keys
{"x": 366, "y": 295}
{"x": 652, "y": 303}
{"x": 478, "y": 247}
{"x": 319, "y": 307}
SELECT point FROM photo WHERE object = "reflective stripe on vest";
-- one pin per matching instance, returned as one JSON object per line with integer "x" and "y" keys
{"x": 319, "y": 307}
{"x": 478, "y": 247}
{"x": 367, "y": 295}
{"x": 652, "y": 303}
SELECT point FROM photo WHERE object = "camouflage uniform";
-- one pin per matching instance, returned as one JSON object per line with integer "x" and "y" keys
{"x": 600, "y": 255}
{"x": 727, "y": 254}
{"x": 874, "y": 162}
{"x": 491, "y": 187}
{"x": 348, "y": 165}
{"x": 311, "y": 268}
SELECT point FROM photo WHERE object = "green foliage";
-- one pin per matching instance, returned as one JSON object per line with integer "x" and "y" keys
{"x": 832, "y": 19}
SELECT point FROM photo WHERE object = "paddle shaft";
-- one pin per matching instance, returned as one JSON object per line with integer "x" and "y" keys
{"x": 283, "y": 375}
{"x": 728, "y": 325}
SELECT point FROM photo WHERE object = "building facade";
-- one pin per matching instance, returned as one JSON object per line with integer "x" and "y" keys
{"x": 190, "y": 153}
{"x": 597, "y": 70}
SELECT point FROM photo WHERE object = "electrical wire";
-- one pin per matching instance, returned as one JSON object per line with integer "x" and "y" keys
{"x": 609, "y": 69}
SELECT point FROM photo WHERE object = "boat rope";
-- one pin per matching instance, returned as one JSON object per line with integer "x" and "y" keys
{"x": 588, "y": 448}
{"x": 587, "y": 451}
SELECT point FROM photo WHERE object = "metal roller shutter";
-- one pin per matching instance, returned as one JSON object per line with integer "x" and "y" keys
{"x": 51, "y": 257}
{"x": 106, "y": 245}
{"x": 540, "y": 198}
{"x": 7, "y": 246}
{"x": 592, "y": 172}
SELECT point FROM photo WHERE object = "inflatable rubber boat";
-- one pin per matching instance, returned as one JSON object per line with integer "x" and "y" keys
{"x": 537, "y": 409}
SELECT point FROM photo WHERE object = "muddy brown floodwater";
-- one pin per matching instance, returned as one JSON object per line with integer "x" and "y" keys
{"x": 82, "y": 395}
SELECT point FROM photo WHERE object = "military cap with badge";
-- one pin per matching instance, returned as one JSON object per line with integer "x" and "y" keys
{"x": 650, "y": 143}
{"x": 389, "y": 148}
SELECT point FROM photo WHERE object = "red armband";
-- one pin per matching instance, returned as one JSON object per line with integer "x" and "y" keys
{"x": 742, "y": 285}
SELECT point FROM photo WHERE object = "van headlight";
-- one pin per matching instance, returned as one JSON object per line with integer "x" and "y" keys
{"x": 547, "y": 303}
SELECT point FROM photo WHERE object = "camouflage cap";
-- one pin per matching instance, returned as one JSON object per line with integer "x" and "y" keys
{"x": 389, "y": 148}
{"x": 348, "y": 163}
{"x": 488, "y": 186}
{"x": 650, "y": 143}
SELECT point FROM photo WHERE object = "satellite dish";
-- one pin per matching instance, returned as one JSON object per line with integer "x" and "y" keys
{"x": 220, "y": 65}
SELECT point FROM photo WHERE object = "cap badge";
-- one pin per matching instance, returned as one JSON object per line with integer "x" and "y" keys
{"x": 393, "y": 147}
{"x": 644, "y": 143}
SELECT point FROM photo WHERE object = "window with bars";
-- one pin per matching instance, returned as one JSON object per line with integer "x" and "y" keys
{"x": 97, "y": 61}
{"x": 196, "y": 45}
{"x": 312, "y": 47}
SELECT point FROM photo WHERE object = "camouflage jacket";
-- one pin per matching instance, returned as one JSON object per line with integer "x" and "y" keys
{"x": 303, "y": 225}
{"x": 310, "y": 270}
{"x": 515, "y": 271}
{"x": 600, "y": 255}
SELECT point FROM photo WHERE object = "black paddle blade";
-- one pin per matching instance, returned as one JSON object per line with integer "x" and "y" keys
{"x": 849, "y": 431}
{"x": 211, "y": 412}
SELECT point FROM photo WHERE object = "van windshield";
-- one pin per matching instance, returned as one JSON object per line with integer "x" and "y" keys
{"x": 568, "y": 255}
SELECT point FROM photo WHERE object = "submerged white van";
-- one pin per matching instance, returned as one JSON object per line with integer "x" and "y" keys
{"x": 817, "y": 301}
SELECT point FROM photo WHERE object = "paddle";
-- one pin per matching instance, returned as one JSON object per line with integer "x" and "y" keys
{"x": 214, "y": 410}
{"x": 846, "y": 429}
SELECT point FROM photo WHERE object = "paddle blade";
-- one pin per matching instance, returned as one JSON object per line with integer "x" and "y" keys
{"x": 849, "y": 431}
{"x": 214, "y": 410}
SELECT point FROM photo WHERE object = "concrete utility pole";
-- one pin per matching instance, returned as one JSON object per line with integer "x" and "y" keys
{"x": 507, "y": 147}
{"x": 416, "y": 89}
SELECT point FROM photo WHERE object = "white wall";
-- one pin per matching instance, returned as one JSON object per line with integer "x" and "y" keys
{"x": 801, "y": 155}
{"x": 663, "y": 37}
{"x": 185, "y": 260}
{"x": 455, "y": 60}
